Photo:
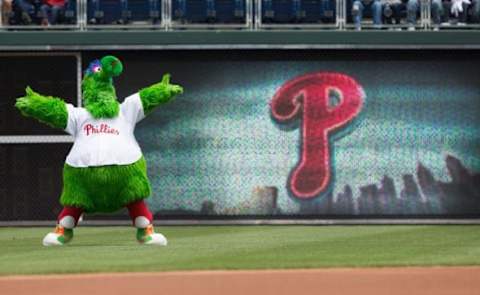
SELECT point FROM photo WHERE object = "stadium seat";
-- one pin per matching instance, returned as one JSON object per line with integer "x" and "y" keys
{"x": 208, "y": 11}
{"x": 123, "y": 12}
{"x": 298, "y": 11}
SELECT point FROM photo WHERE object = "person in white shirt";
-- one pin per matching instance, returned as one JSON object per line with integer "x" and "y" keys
{"x": 105, "y": 169}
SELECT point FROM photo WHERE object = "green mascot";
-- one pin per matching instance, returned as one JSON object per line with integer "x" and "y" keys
{"x": 105, "y": 169}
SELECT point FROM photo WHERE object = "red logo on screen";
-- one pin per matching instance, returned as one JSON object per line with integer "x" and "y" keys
{"x": 308, "y": 97}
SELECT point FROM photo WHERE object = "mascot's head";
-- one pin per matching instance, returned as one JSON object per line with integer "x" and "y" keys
{"x": 99, "y": 96}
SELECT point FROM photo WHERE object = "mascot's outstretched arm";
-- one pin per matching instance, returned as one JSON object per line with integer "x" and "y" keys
{"x": 158, "y": 94}
{"x": 46, "y": 109}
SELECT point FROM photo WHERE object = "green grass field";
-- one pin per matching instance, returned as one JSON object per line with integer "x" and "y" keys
{"x": 114, "y": 249}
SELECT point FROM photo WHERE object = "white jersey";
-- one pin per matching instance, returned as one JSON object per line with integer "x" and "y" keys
{"x": 100, "y": 142}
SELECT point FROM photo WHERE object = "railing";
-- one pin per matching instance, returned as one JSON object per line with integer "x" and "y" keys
{"x": 244, "y": 15}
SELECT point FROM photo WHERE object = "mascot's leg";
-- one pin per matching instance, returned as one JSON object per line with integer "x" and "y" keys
{"x": 63, "y": 233}
{"x": 142, "y": 220}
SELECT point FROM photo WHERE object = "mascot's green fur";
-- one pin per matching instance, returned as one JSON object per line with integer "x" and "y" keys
{"x": 105, "y": 188}
{"x": 99, "y": 188}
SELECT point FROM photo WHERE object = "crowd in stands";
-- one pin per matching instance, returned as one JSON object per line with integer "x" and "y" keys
{"x": 36, "y": 12}
{"x": 373, "y": 14}
{"x": 443, "y": 12}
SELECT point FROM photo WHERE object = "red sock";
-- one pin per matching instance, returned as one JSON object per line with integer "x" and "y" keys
{"x": 139, "y": 208}
{"x": 70, "y": 211}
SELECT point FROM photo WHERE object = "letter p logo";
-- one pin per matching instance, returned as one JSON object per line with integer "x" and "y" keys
{"x": 308, "y": 97}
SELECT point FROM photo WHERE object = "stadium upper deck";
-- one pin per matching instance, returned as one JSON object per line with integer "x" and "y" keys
{"x": 241, "y": 14}
{"x": 127, "y": 24}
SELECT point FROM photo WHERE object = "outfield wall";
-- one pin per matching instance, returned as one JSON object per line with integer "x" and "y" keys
{"x": 266, "y": 134}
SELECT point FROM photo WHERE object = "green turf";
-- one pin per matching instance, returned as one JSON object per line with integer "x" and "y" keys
{"x": 114, "y": 249}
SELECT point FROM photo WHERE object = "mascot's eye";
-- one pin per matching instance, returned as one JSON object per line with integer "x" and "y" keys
{"x": 97, "y": 69}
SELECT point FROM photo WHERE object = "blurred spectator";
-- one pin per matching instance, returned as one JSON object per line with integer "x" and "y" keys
{"x": 24, "y": 10}
{"x": 357, "y": 12}
{"x": 5, "y": 11}
{"x": 392, "y": 11}
{"x": 456, "y": 8}
{"x": 476, "y": 11}
{"x": 413, "y": 8}
{"x": 51, "y": 11}
{"x": 442, "y": 11}
{"x": 437, "y": 12}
